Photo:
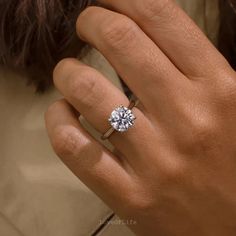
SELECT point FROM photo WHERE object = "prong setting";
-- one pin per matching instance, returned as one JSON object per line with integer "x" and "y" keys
{"x": 122, "y": 118}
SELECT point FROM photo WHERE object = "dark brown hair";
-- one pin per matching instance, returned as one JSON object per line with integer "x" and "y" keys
{"x": 227, "y": 32}
{"x": 36, "y": 34}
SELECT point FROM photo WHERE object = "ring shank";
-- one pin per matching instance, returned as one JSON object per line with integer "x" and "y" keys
{"x": 108, "y": 133}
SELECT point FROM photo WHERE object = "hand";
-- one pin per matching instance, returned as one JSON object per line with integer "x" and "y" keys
{"x": 175, "y": 173}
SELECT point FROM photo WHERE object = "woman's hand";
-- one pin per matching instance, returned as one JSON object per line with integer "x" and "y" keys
{"x": 175, "y": 173}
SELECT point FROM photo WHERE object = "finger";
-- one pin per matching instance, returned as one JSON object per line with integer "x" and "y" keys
{"x": 175, "y": 33}
{"x": 95, "y": 98}
{"x": 139, "y": 62}
{"x": 94, "y": 165}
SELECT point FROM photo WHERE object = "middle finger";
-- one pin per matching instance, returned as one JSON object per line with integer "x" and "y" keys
{"x": 141, "y": 64}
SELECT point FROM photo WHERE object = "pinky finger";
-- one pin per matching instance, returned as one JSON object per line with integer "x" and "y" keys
{"x": 99, "y": 169}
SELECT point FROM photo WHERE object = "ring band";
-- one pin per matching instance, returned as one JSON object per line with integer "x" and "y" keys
{"x": 121, "y": 119}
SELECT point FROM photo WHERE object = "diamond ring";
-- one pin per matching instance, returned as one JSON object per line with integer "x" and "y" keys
{"x": 121, "y": 119}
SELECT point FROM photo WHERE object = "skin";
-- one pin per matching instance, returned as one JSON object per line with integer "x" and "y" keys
{"x": 174, "y": 172}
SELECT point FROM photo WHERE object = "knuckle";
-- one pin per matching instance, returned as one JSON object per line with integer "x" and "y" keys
{"x": 84, "y": 15}
{"x": 52, "y": 108}
{"x": 82, "y": 87}
{"x": 153, "y": 8}
{"x": 204, "y": 135}
{"x": 61, "y": 65}
{"x": 65, "y": 142}
{"x": 139, "y": 202}
{"x": 82, "y": 81}
{"x": 173, "y": 175}
{"x": 204, "y": 130}
{"x": 227, "y": 93}
{"x": 138, "y": 197}
{"x": 118, "y": 32}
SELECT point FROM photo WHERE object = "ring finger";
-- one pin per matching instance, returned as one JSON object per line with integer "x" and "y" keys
{"x": 95, "y": 97}
{"x": 137, "y": 59}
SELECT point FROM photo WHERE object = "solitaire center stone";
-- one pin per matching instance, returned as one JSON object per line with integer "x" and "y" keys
{"x": 122, "y": 119}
